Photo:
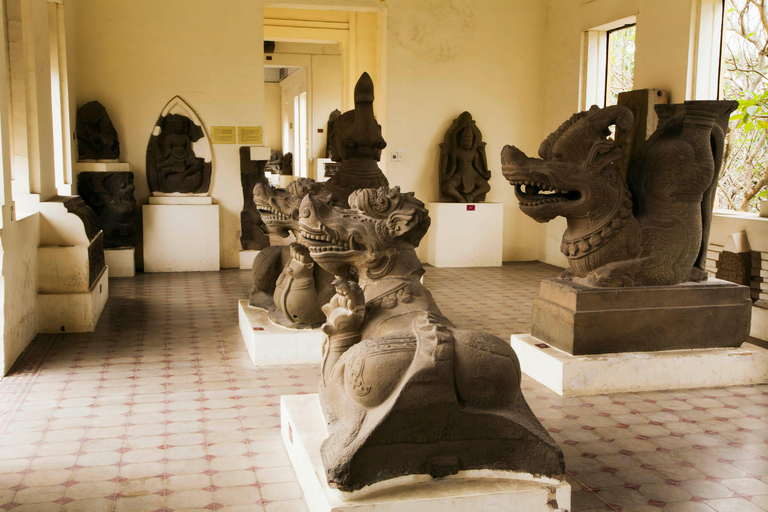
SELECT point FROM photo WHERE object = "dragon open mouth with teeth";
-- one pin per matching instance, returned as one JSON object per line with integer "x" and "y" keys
{"x": 530, "y": 193}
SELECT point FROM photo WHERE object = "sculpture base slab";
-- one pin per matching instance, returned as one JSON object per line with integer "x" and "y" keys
{"x": 246, "y": 259}
{"x": 180, "y": 199}
{"x": 73, "y": 311}
{"x": 629, "y": 372}
{"x": 121, "y": 262}
{"x": 303, "y": 431}
{"x": 465, "y": 234}
{"x": 271, "y": 344}
{"x": 181, "y": 237}
{"x": 583, "y": 320}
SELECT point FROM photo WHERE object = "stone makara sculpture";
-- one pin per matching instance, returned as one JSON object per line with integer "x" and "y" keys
{"x": 406, "y": 392}
{"x": 96, "y": 136}
{"x": 253, "y": 232}
{"x": 357, "y": 143}
{"x": 110, "y": 196}
{"x": 286, "y": 282}
{"x": 652, "y": 229}
{"x": 464, "y": 170}
{"x": 171, "y": 162}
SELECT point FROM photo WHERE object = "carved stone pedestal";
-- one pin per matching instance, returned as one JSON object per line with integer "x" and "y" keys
{"x": 304, "y": 429}
{"x": 583, "y": 320}
{"x": 121, "y": 262}
{"x": 271, "y": 344}
{"x": 465, "y": 234}
{"x": 630, "y": 372}
{"x": 72, "y": 277}
{"x": 181, "y": 234}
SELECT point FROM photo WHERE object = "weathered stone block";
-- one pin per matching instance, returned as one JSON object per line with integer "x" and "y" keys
{"x": 589, "y": 320}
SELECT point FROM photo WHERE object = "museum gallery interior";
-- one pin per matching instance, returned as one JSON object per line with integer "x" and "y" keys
{"x": 384, "y": 255}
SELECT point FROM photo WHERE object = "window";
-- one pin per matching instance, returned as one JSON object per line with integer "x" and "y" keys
{"x": 608, "y": 63}
{"x": 744, "y": 77}
{"x": 62, "y": 146}
{"x": 620, "y": 63}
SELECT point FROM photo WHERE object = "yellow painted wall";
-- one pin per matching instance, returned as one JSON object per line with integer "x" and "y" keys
{"x": 135, "y": 56}
{"x": 447, "y": 57}
{"x": 273, "y": 135}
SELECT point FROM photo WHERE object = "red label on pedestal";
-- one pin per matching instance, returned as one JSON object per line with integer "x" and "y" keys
{"x": 470, "y": 207}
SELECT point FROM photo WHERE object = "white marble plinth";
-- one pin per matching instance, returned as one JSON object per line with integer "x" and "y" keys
{"x": 246, "y": 259}
{"x": 102, "y": 166}
{"x": 73, "y": 311}
{"x": 272, "y": 344}
{"x": 181, "y": 237}
{"x": 303, "y": 430}
{"x": 121, "y": 262}
{"x": 465, "y": 234}
{"x": 569, "y": 375}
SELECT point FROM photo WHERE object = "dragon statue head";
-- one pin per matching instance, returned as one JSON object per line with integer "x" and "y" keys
{"x": 377, "y": 234}
{"x": 279, "y": 207}
{"x": 574, "y": 175}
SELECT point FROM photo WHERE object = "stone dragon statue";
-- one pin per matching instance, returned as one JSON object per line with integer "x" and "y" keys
{"x": 285, "y": 280}
{"x": 653, "y": 228}
{"x": 406, "y": 391}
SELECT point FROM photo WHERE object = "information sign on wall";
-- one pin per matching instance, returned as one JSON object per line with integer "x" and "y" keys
{"x": 249, "y": 135}
{"x": 223, "y": 135}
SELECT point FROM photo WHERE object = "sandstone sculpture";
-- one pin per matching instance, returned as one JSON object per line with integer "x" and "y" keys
{"x": 286, "y": 167}
{"x": 172, "y": 166}
{"x": 330, "y": 131}
{"x": 286, "y": 282}
{"x": 253, "y": 232}
{"x": 357, "y": 144}
{"x": 110, "y": 196}
{"x": 96, "y": 136}
{"x": 275, "y": 162}
{"x": 406, "y": 391}
{"x": 464, "y": 170}
{"x": 652, "y": 229}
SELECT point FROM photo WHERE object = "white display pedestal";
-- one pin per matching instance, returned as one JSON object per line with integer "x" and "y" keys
{"x": 73, "y": 311}
{"x": 630, "y": 372}
{"x": 72, "y": 278}
{"x": 181, "y": 234}
{"x": 465, "y": 234}
{"x": 121, "y": 262}
{"x": 271, "y": 344}
{"x": 246, "y": 259}
{"x": 303, "y": 430}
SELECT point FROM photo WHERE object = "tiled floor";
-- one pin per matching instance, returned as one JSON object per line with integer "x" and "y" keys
{"x": 161, "y": 410}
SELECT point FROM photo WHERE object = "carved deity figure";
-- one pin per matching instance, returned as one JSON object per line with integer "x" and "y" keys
{"x": 653, "y": 228}
{"x": 286, "y": 282}
{"x": 405, "y": 390}
{"x": 171, "y": 162}
{"x": 357, "y": 144}
{"x": 253, "y": 232}
{"x": 96, "y": 136}
{"x": 286, "y": 167}
{"x": 464, "y": 170}
{"x": 110, "y": 195}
